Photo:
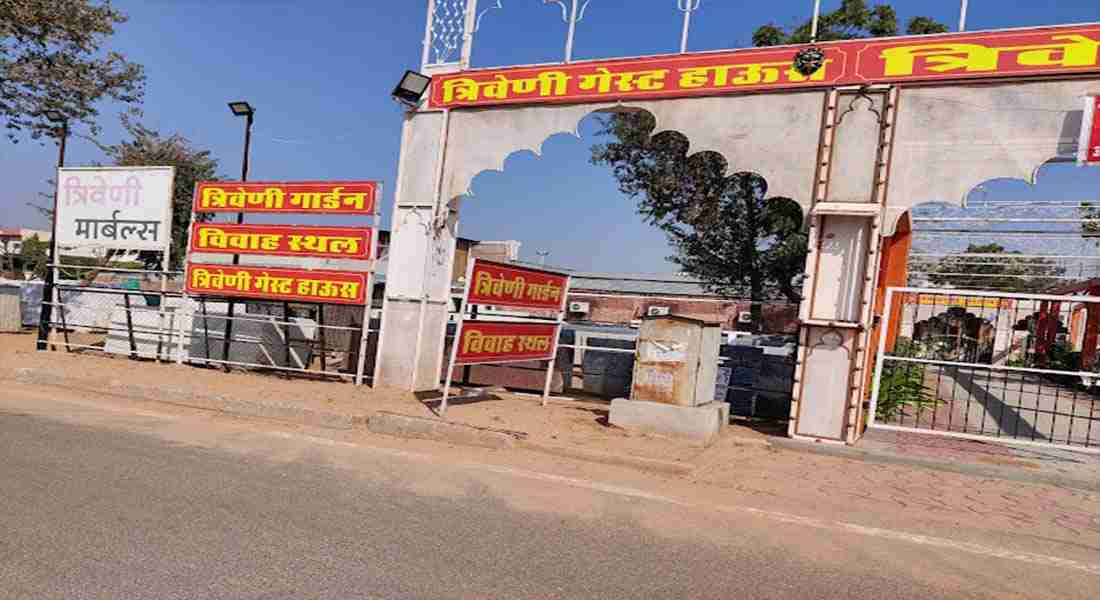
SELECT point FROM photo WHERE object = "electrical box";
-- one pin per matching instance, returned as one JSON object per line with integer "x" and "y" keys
{"x": 658, "y": 311}
{"x": 580, "y": 308}
{"x": 676, "y": 361}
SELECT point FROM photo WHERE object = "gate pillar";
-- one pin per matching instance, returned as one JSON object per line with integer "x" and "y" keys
{"x": 846, "y": 218}
{"x": 421, "y": 255}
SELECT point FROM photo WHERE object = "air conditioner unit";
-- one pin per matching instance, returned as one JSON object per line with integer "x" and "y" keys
{"x": 744, "y": 316}
{"x": 658, "y": 311}
{"x": 579, "y": 307}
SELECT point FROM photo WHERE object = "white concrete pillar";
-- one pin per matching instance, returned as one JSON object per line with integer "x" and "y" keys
{"x": 842, "y": 265}
{"x": 418, "y": 276}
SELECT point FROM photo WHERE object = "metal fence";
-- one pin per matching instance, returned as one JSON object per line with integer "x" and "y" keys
{"x": 1016, "y": 367}
{"x": 125, "y": 320}
{"x": 756, "y": 377}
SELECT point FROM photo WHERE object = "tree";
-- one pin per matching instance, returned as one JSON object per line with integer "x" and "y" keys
{"x": 725, "y": 229}
{"x": 853, "y": 20}
{"x": 34, "y": 256}
{"x": 149, "y": 148}
{"x": 1009, "y": 274}
{"x": 52, "y": 59}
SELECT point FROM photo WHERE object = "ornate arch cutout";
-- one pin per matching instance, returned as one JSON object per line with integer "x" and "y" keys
{"x": 775, "y": 136}
{"x": 951, "y": 139}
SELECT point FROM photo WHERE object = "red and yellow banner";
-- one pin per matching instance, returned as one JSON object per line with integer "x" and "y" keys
{"x": 1051, "y": 51}
{"x": 328, "y": 287}
{"x": 1090, "y": 133}
{"x": 314, "y": 197}
{"x": 282, "y": 240}
{"x": 516, "y": 287}
{"x": 482, "y": 342}
{"x": 945, "y": 301}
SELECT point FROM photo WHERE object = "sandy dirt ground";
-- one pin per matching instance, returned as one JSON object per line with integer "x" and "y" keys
{"x": 1028, "y": 517}
{"x": 578, "y": 423}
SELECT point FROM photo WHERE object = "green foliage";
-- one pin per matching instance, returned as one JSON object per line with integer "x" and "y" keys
{"x": 34, "y": 256}
{"x": 149, "y": 148}
{"x": 725, "y": 229}
{"x": 52, "y": 59}
{"x": 925, "y": 26}
{"x": 902, "y": 384}
{"x": 854, "y": 19}
{"x": 1007, "y": 273}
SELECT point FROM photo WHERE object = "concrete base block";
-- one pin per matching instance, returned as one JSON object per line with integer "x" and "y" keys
{"x": 698, "y": 424}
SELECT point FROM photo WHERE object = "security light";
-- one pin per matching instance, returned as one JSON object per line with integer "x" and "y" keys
{"x": 241, "y": 108}
{"x": 411, "y": 88}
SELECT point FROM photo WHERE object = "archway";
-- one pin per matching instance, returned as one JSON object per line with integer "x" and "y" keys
{"x": 614, "y": 295}
{"x": 859, "y": 144}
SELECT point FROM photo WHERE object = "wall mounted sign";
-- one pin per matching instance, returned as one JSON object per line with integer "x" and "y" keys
{"x": 516, "y": 287}
{"x": 327, "y": 287}
{"x": 306, "y": 197}
{"x": 1047, "y": 51}
{"x": 1089, "y": 146}
{"x": 282, "y": 240}
{"x": 124, "y": 208}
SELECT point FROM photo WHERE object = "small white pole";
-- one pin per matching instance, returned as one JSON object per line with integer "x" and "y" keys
{"x": 428, "y": 35}
{"x": 884, "y": 332}
{"x": 457, "y": 339}
{"x": 687, "y": 7}
{"x": 817, "y": 17}
{"x": 572, "y": 31}
{"x": 962, "y": 15}
{"x": 554, "y": 346}
{"x": 364, "y": 333}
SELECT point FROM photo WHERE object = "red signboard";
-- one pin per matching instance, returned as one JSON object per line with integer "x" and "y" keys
{"x": 1051, "y": 51}
{"x": 483, "y": 342}
{"x": 1090, "y": 132}
{"x": 328, "y": 287}
{"x": 517, "y": 287}
{"x": 314, "y": 197}
{"x": 283, "y": 240}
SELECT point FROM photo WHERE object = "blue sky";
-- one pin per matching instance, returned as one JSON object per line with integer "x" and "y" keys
{"x": 320, "y": 72}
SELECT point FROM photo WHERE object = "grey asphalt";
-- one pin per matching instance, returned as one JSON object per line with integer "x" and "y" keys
{"x": 113, "y": 505}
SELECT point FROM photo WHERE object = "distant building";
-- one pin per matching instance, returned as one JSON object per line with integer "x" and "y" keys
{"x": 11, "y": 239}
{"x": 624, "y": 298}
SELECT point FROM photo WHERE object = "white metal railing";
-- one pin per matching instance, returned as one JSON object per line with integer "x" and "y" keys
{"x": 992, "y": 404}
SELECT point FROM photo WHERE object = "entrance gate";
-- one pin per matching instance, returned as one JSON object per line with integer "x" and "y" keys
{"x": 1019, "y": 368}
{"x": 881, "y": 126}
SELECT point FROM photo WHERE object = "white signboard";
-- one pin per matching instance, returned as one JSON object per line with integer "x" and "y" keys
{"x": 125, "y": 208}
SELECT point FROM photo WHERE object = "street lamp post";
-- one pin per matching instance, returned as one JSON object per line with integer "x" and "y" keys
{"x": 46, "y": 314}
{"x": 239, "y": 108}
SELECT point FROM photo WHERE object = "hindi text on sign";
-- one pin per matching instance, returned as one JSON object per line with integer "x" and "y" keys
{"x": 496, "y": 342}
{"x": 351, "y": 197}
{"x": 332, "y": 287}
{"x": 122, "y": 208}
{"x": 518, "y": 287}
{"x": 1048, "y": 51}
{"x": 281, "y": 240}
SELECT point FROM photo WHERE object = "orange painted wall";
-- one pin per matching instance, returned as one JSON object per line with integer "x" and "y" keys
{"x": 893, "y": 272}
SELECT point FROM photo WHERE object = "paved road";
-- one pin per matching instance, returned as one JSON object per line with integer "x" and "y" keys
{"x": 112, "y": 503}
